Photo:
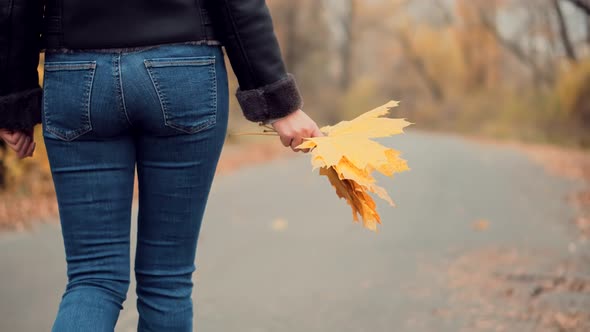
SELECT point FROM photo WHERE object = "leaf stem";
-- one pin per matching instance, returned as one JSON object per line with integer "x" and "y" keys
{"x": 256, "y": 134}
{"x": 267, "y": 127}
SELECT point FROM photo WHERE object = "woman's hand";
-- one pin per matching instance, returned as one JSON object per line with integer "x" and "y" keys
{"x": 21, "y": 141}
{"x": 294, "y": 127}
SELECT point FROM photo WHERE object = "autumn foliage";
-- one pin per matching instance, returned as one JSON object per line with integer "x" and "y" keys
{"x": 348, "y": 156}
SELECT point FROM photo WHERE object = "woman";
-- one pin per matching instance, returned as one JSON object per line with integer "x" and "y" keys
{"x": 137, "y": 84}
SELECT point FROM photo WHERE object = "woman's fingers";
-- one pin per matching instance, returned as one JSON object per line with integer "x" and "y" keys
{"x": 22, "y": 149}
{"x": 9, "y": 136}
{"x": 286, "y": 140}
{"x": 294, "y": 128}
{"x": 297, "y": 138}
{"x": 317, "y": 132}
{"x": 14, "y": 140}
{"x": 22, "y": 142}
{"x": 30, "y": 150}
{"x": 26, "y": 150}
{"x": 295, "y": 143}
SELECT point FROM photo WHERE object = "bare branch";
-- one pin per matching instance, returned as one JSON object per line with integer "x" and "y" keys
{"x": 515, "y": 49}
{"x": 583, "y": 5}
{"x": 348, "y": 23}
{"x": 444, "y": 10}
{"x": 563, "y": 32}
{"x": 418, "y": 63}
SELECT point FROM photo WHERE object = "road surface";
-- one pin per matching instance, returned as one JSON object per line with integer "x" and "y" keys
{"x": 481, "y": 240}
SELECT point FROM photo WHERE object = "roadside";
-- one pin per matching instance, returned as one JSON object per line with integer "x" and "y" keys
{"x": 536, "y": 290}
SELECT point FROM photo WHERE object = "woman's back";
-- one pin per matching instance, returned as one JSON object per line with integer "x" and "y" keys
{"x": 113, "y": 23}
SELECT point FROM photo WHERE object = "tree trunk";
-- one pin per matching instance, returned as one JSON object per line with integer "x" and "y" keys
{"x": 431, "y": 83}
{"x": 563, "y": 32}
{"x": 347, "y": 46}
{"x": 583, "y": 5}
{"x": 291, "y": 42}
{"x": 545, "y": 77}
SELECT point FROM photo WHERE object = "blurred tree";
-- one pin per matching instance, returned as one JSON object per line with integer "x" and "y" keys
{"x": 583, "y": 5}
{"x": 542, "y": 73}
{"x": 347, "y": 22}
{"x": 419, "y": 65}
{"x": 308, "y": 47}
{"x": 478, "y": 45}
{"x": 563, "y": 31}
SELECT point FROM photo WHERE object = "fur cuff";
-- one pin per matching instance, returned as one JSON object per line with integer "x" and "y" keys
{"x": 21, "y": 110}
{"x": 272, "y": 101}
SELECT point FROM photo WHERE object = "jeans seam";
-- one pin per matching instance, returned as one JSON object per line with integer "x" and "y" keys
{"x": 122, "y": 92}
{"x": 60, "y": 66}
{"x": 189, "y": 61}
{"x": 214, "y": 70}
{"x": 158, "y": 91}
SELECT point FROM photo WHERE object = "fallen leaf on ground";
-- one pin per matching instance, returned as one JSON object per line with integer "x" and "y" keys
{"x": 481, "y": 225}
{"x": 566, "y": 321}
{"x": 279, "y": 225}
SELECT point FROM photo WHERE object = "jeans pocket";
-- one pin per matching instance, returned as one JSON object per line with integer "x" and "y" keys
{"x": 187, "y": 89}
{"x": 67, "y": 88}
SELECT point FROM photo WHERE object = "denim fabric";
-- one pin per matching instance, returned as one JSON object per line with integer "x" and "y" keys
{"x": 163, "y": 110}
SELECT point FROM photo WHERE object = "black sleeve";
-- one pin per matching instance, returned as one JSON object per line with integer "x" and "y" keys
{"x": 20, "y": 94}
{"x": 266, "y": 90}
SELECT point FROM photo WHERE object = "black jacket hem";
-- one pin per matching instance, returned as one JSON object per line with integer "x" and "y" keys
{"x": 272, "y": 101}
{"x": 21, "y": 110}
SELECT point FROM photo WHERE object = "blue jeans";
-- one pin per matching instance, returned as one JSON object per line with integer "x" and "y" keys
{"x": 164, "y": 110}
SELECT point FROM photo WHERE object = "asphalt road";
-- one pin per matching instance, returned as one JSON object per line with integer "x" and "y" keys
{"x": 477, "y": 229}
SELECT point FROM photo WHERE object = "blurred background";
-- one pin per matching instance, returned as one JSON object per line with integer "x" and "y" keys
{"x": 503, "y": 70}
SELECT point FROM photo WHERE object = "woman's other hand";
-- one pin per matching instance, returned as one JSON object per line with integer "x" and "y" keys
{"x": 21, "y": 141}
{"x": 294, "y": 127}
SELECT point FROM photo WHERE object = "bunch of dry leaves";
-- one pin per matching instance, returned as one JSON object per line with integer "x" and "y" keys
{"x": 348, "y": 156}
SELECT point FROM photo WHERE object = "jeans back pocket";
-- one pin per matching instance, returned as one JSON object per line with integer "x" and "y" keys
{"x": 187, "y": 89}
{"x": 67, "y": 88}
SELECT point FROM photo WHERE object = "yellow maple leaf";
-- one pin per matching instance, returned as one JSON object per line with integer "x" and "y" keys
{"x": 348, "y": 156}
{"x": 370, "y": 124}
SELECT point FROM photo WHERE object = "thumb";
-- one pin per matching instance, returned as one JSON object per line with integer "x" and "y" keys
{"x": 317, "y": 132}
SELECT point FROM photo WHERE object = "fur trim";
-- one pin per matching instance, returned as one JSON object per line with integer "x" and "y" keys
{"x": 272, "y": 101}
{"x": 21, "y": 110}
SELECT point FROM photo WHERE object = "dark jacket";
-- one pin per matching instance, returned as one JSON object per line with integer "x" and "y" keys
{"x": 244, "y": 27}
